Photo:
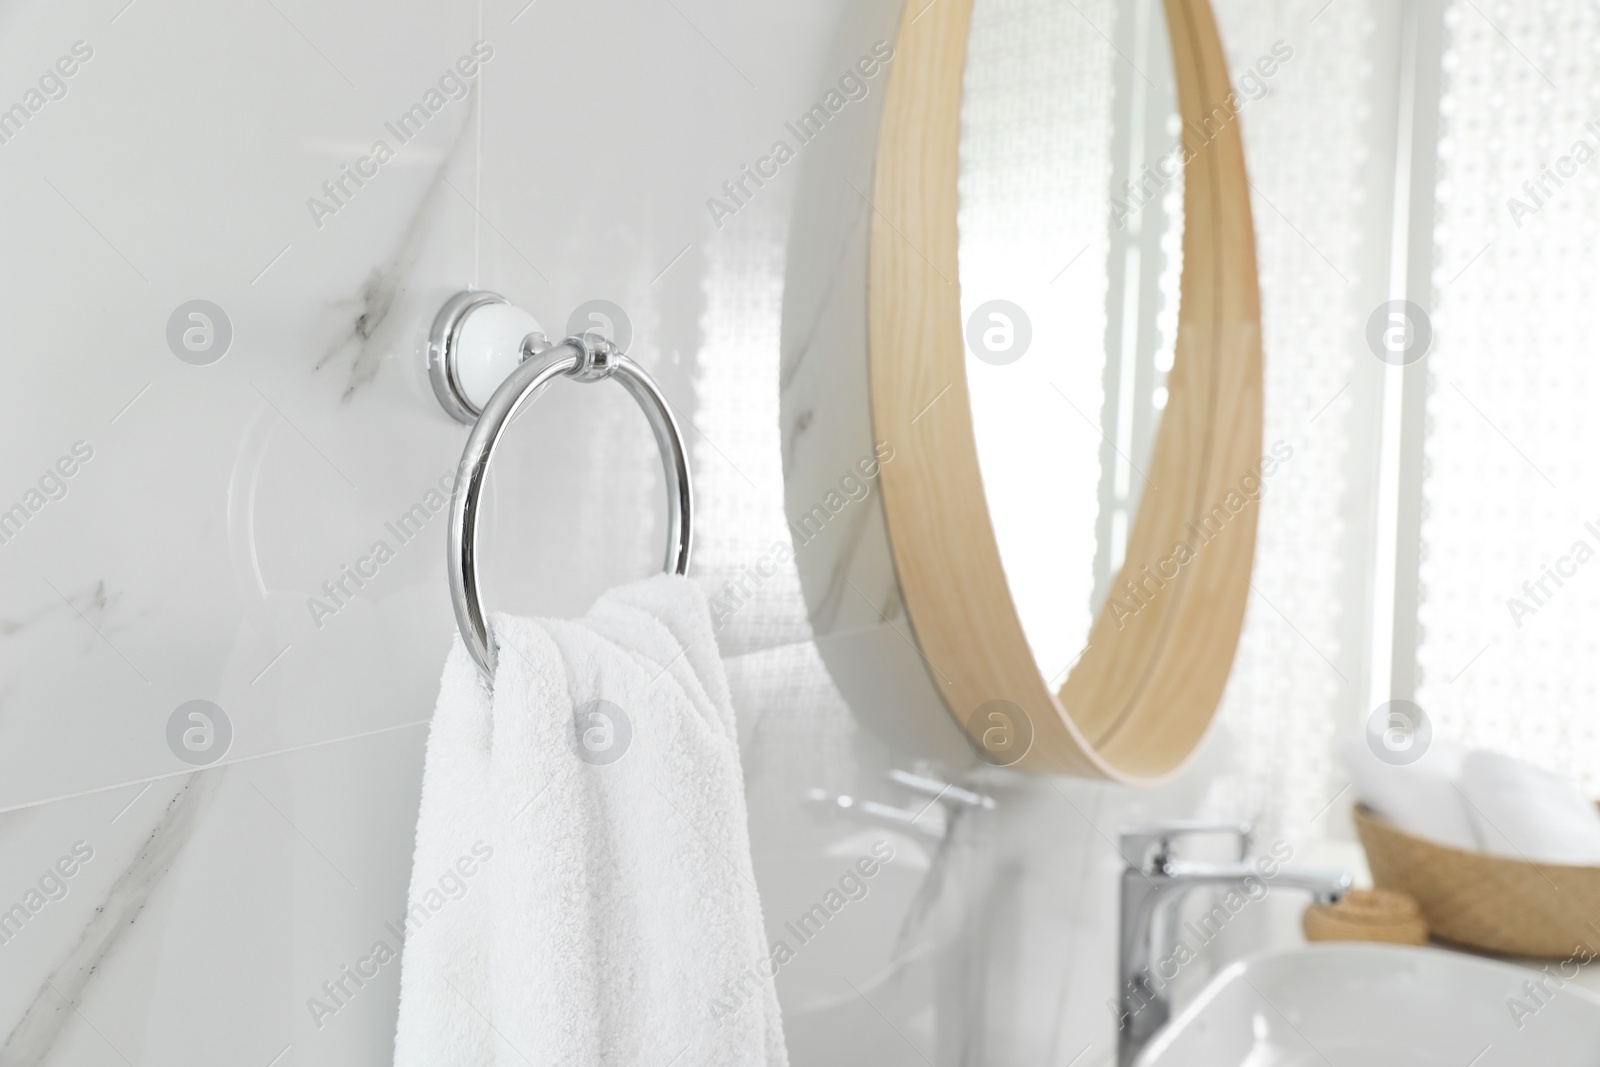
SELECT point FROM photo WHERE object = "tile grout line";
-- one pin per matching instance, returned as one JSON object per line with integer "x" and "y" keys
{"x": 220, "y": 763}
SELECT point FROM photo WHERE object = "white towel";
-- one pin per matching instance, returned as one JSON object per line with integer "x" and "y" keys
{"x": 1420, "y": 798}
{"x": 1527, "y": 813}
{"x": 611, "y": 915}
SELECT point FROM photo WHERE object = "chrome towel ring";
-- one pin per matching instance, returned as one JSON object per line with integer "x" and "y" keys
{"x": 588, "y": 358}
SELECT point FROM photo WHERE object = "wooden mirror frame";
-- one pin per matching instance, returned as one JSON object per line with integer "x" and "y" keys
{"x": 1137, "y": 703}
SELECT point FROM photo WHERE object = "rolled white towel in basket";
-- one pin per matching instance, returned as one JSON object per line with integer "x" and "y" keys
{"x": 1479, "y": 801}
{"x": 1526, "y": 813}
{"x": 1419, "y": 798}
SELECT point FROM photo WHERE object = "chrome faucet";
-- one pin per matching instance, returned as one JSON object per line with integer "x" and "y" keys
{"x": 1153, "y": 885}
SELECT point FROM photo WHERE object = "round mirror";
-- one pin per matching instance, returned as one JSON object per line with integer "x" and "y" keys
{"x": 1055, "y": 336}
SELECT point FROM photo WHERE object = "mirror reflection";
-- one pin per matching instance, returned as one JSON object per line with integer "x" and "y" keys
{"x": 1071, "y": 228}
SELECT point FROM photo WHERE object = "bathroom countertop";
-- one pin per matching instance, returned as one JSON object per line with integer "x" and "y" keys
{"x": 1350, "y": 856}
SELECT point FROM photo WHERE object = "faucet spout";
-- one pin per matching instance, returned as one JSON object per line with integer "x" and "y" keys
{"x": 1325, "y": 884}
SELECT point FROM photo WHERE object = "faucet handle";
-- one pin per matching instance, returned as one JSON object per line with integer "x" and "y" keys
{"x": 1146, "y": 841}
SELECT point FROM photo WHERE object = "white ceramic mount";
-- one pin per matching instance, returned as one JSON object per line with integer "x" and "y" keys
{"x": 477, "y": 340}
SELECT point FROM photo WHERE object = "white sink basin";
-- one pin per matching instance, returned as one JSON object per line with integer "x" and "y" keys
{"x": 1380, "y": 1006}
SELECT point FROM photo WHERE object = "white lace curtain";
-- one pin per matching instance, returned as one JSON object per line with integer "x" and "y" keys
{"x": 1509, "y": 653}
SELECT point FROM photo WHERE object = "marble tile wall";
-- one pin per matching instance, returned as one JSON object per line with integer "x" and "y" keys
{"x": 192, "y": 492}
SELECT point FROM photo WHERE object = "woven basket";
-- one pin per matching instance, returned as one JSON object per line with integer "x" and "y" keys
{"x": 1502, "y": 905}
